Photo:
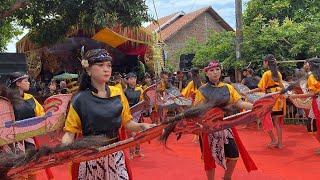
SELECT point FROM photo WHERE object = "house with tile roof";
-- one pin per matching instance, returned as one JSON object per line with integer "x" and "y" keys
{"x": 175, "y": 29}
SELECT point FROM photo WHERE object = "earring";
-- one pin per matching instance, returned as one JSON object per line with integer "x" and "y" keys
{"x": 89, "y": 74}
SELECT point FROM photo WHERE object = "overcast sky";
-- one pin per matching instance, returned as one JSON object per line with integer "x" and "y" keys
{"x": 225, "y": 8}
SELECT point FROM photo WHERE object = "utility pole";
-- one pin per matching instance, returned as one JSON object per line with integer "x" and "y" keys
{"x": 238, "y": 10}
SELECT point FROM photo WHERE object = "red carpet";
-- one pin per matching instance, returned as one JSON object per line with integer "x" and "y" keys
{"x": 295, "y": 161}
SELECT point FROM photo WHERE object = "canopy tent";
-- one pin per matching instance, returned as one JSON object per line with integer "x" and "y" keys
{"x": 138, "y": 42}
{"x": 118, "y": 35}
{"x": 121, "y": 42}
{"x": 131, "y": 41}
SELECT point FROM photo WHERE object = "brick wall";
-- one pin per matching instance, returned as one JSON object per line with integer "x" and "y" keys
{"x": 198, "y": 29}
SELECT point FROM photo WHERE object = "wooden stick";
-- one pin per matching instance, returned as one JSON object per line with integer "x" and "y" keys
{"x": 291, "y": 61}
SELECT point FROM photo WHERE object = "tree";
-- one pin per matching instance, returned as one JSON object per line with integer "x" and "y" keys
{"x": 51, "y": 21}
{"x": 296, "y": 10}
{"x": 287, "y": 28}
{"x": 290, "y": 29}
{"x": 220, "y": 46}
{"x": 8, "y": 27}
{"x": 7, "y": 32}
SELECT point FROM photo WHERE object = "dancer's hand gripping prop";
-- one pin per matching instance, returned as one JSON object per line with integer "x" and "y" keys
{"x": 203, "y": 118}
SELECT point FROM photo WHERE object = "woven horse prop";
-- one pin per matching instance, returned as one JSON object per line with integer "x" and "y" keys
{"x": 170, "y": 101}
{"x": 303, "y": 103}
{"x": 250, "y": 97}
{"x": 55, "y": 107}
{"x": 202, "y": 118}
{"x": 149, "y": 95}
{"x": 13, "y": 131}
{"x": 173, "y": 97}
{"x": 152, "y": 98}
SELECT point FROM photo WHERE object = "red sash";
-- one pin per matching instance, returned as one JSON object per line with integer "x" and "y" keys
{"x": 209, "y": 161}
{"x": 247, "y": 160}
{"x": 123, "y": 136}
{"x": 316, "y": 113}
{"x": 206, "y": 153}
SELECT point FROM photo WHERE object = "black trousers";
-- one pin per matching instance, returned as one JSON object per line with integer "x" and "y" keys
{"x": 230, "y": 150}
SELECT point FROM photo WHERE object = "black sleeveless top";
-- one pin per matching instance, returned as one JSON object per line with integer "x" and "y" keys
{"x": 218, "y": 94}
{"x": 251, "y": 82}
{"x": 132, "y": 95}
{"x": 99, "y": 116}
{"x": 24, "y": 109}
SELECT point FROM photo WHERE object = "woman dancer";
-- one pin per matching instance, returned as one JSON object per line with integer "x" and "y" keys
{"x": 24, "y": 106}
{"x": 193, "y": 85}
{"x": 222, "y": 145}
{"x": 99, "y": 109}
{"x": 162, "y": 88}
{"x": 249, "y": 80}
{"x": 270, "y": 82}
{"x": 147, "y": 81}
{"x": 134, "y": 95}
{"x": 313, "y": 86}
{"x": 189, "y": 92}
